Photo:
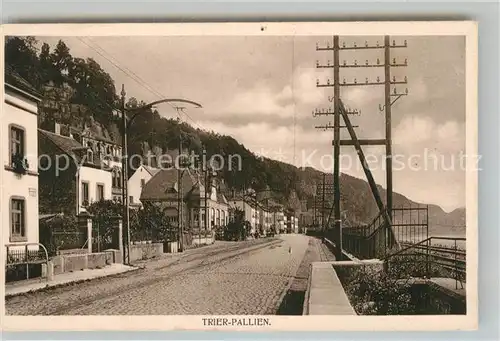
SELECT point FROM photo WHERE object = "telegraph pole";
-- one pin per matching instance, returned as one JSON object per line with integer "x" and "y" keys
{"x": 339, "y": 110}
{"x": 336, "y": 149}
{"x": 388, "y": 135}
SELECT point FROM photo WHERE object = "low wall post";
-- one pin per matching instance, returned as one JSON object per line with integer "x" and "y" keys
{"x": 89, "y": 235}
{"x": 120, "y": 238}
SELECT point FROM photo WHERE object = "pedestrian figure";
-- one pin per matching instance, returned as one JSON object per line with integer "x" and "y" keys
{"x": 289, "y": 249}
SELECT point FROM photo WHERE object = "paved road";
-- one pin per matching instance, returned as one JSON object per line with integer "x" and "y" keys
{"x": 229, "y": 278}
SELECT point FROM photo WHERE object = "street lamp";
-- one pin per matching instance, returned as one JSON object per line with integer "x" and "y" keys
{"x": 125, "y": 126}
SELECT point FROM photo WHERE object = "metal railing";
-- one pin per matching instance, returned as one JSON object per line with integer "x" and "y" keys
{"x": 433, "y": 257}
{"x": 375, "y": 240}
{"x": 20, "y": 254}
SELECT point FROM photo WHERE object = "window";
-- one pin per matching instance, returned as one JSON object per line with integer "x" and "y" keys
{"x": 100, "y": 192}
{"x": 85, "y": 193}
{"x": 196, "y": 215}
{"x": 16, "y": 141}
{"x": 212, "y": 217}
{"x": 223, "y": 218}
{"x": 118, "y": 178}
{"x": 90, "y": 152}
{"x": 18, "y": 220}
{"x": 131, "y": 199}
{"x": 143, "y": 182}
{"x": 90, "y": 156}
{"x": 117, "y": 181}
{"x": 172, "y": 219}
{"x": 218, "y": 217}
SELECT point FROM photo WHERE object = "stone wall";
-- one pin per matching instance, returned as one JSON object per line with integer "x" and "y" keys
{"x": 77, "y": 262}
{"x": 196, "y": 240}
{"x": 145, "y": 251}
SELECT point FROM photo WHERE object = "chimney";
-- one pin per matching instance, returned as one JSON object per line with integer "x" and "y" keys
{"x": 57, "y": 128}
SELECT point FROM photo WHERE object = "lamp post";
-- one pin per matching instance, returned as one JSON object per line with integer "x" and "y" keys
{"x": 126, "y": 123}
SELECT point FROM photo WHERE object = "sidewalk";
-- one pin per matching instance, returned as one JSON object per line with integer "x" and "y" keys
{"x": 26, "y": 286}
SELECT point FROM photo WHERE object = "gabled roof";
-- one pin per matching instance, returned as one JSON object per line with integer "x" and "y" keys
{"x": 14, "y": 79}
{"x": 72, "y": 148}
{"x": 163, "y": 185}
{"x": 151, "y": 170}
{"x": 66, "y": 144}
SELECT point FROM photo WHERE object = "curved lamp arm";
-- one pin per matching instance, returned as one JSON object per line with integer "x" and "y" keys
{"x": 150, "y": 105}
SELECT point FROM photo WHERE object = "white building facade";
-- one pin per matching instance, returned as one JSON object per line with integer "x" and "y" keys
{"x": 19, "y": 202}
{"x": 137, "y": 181}
{"x": 94, "y": 184}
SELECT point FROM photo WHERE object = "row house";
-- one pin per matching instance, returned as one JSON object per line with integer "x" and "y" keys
{"x": 291, "y": 222}
{"x": 78, "y": 168}
{"x": 19, "y": 177}
{"x": 266, "y": 214}
{"x": 185, "y": 198}
{"x": 136, "y": 183}
{"x": 250, "y": 210}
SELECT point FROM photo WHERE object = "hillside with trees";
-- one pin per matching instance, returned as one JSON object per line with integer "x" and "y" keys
{"x": 77, "y": 90}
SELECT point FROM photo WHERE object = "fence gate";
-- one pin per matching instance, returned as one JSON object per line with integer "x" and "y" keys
{"x": 105, "y": 233}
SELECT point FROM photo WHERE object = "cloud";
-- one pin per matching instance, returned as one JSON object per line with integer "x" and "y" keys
{"x": 413, "y": 129}
{"x": 418, "y": 132}
{"x": 262, "y": 99}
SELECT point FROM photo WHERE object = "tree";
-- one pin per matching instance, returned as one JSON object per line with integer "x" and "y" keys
{"x": 238, "y": 228}
{"x": 153, "y": 225}
{"x": 21, "y": 55}
{"x": 62, "y": 63}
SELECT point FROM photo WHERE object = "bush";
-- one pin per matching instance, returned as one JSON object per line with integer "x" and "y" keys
{"x": 374, "y": 292}
{"x": 151, "y": 223}
{"x": 62, "y": 232}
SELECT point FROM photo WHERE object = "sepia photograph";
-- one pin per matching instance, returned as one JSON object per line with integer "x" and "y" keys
{"x": 276, "y": 171}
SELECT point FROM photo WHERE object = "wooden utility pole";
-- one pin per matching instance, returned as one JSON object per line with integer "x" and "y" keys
{"x": 388, "y": 135}
{"x": 336, "y": 148}
{"x": 339, "y": 110}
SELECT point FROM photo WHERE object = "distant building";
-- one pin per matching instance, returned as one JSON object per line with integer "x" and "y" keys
{"x": 163, "y": 189}
{"x": 20, "y": 159}
{"x": 291, "y": 222}
{"x": 137, "y": 182}
{"x": 249, "y": 206}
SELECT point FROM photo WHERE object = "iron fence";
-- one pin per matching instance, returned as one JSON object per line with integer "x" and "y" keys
{"x": 23, "y": 261}
{"x": 375, "y": 240}
{"x": 432, "y": 257}
{"x": 105, "y": 234}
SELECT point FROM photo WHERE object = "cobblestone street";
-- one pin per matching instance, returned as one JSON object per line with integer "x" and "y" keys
{"x": 230, "y": 278}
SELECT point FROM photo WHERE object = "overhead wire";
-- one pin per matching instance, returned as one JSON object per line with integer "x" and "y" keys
{"x": 131, "y": 74}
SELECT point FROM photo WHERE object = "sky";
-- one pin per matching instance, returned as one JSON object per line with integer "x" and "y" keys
{"x": 262, "y": 91}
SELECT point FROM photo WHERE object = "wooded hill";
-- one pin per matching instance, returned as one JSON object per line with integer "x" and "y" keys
{"x": 77, "y": 90}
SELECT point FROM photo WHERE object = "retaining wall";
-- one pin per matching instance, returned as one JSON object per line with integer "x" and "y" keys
{"x": 76, "y": 262}
{"x": 145, "y": 251}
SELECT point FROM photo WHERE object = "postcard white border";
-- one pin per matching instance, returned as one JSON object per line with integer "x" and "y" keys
{"x": 284, "y": 323}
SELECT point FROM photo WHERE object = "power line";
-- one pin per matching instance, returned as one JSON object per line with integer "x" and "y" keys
{"x": 127, "y": 71}
{"x": 131, "y": 74}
